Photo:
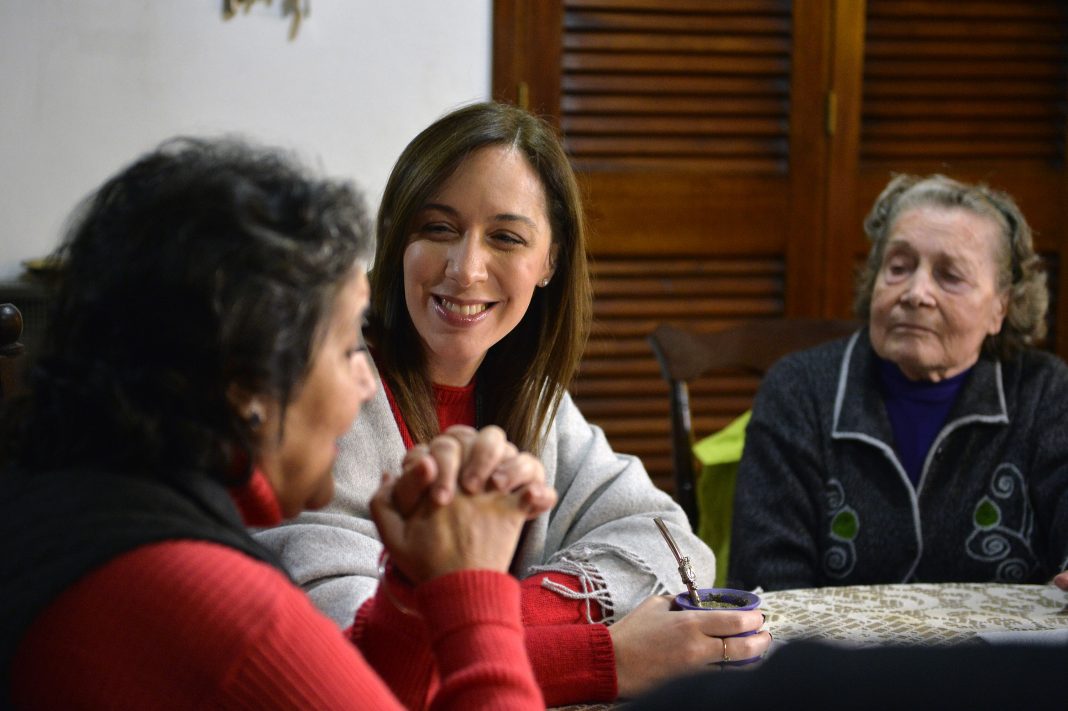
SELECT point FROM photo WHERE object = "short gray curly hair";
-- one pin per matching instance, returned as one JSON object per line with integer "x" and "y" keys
{"x": 1020, "y": 269}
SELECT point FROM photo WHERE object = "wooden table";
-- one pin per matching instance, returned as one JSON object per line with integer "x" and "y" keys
{"x": 920, "y": 613}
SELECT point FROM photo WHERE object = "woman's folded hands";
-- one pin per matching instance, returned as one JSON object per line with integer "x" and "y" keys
{"x": 459, "y": 503}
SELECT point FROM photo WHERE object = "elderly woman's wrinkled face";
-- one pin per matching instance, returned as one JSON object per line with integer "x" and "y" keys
{"x": 936, "y": 297}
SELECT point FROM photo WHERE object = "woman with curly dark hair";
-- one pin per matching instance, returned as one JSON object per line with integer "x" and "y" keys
{"x": 203, "y": 358}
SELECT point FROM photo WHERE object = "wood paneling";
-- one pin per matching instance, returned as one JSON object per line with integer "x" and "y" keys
{"x": 735, "y": 118}
{"x": 690, "y": 124}
{"x": 1004, "y": 64}
{"x": 620, "y": 387}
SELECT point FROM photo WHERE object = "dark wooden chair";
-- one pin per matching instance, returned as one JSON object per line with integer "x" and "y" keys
{"x": 752, "y": 346}
{"x": 10, "y": 348}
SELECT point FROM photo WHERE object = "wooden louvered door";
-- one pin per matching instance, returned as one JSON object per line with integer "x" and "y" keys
{"x": 686, "y": 121}
{"x": 730, "y": 149}
{"x": 680, "y": 121}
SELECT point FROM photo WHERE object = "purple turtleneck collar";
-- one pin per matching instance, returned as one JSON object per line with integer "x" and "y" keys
{"x": 917, "y": 411}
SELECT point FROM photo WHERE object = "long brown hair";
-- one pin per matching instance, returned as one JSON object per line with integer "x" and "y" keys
{"x": 524, "y": 375}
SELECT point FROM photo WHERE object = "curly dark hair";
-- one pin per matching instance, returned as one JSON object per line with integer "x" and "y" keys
{"x": 1020, "y": 269}
{"x": 204, "y": 264}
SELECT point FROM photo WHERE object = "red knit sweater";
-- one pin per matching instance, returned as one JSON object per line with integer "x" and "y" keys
{"x": 573, "y": 661}
{"x": 191, "y": 624}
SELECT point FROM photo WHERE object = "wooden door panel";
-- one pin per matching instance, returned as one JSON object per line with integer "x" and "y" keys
{"x": 703, "y": 90}
{"x": 620, "y": 388}
{"x": 683, "y": 119}
{"x": 650, "y": 212}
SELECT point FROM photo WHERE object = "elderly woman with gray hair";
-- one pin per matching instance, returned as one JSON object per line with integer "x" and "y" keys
{"x": 932, "y": 444}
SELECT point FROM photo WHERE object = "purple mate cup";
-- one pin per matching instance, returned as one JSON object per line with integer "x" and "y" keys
{"x": 722, "y": 600}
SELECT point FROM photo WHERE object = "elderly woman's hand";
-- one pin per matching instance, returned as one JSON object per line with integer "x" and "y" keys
{"x": 431, "y": 528}
{"x": 1061, "y": 580}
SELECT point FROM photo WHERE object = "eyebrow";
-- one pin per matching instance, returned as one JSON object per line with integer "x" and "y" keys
{"x": 900, "y": 245}
{"x": 499, "y": 217}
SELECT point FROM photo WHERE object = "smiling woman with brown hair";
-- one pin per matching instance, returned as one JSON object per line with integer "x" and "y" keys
{"x": 480, "y": 313}
{"x": 931, "y": 445}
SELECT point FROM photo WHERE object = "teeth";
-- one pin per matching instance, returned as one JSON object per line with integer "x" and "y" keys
{"x": 463, "y": 310}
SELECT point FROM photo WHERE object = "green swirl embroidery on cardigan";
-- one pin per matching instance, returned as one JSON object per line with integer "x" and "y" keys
{"x": 987, "y": 514}
{"x": 1003, "y": 524}
{"x": 841, "y": 556}
{"x": 844, "y": 525}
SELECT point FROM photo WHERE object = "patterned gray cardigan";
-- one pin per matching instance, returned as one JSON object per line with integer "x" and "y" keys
{"x": 822, "y": 499}
{"x": 601, "y": 529}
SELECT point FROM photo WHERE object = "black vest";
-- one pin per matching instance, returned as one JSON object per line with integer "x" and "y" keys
{"x": 57, "y": 527}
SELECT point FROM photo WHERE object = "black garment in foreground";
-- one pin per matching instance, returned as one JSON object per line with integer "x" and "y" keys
{"x": 55, "y": 527}
{"x": 807, "y": 675}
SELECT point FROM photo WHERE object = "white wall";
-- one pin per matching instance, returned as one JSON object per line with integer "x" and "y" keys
{"x": 87, "y": 85}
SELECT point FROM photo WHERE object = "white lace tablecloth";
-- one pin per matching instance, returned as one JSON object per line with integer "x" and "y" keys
{"x": 921, "y": 613}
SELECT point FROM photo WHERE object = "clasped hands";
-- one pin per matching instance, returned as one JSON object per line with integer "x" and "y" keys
{"x": 459, "y": 503}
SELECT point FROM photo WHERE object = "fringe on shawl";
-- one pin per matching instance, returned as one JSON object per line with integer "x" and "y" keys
{"x": 592, "y": 586}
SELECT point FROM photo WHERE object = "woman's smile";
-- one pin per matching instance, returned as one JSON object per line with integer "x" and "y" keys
{"x": 460, "y": 312}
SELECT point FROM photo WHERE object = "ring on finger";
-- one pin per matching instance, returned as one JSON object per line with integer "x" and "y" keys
{"x": 726, "y": 658}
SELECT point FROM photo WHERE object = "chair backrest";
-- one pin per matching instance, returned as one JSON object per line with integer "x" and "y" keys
{"x": 751, "y": 346}
{"x": 10, "y": 347}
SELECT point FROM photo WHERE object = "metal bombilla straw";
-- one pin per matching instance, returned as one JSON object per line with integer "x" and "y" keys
{"x": 685, "y": 569}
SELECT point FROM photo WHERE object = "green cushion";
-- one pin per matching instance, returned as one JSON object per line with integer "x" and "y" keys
{"x": 719, "y": 455}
